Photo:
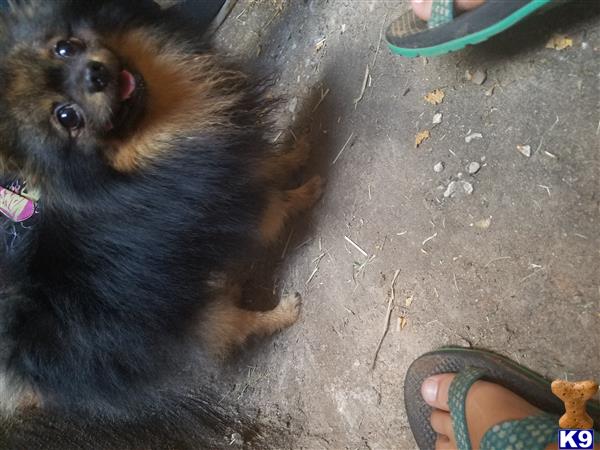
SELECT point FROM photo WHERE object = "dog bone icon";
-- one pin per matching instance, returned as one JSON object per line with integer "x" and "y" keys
{"x": 575, "y": 395}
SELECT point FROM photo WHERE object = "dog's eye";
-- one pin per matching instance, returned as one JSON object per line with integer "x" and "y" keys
{"x": 68, "y": 48}
{"x": 69, "y": 117}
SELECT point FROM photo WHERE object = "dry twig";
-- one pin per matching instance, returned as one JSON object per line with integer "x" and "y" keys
{"x": 386, "y": 324}
{"x": 379, "y": 41}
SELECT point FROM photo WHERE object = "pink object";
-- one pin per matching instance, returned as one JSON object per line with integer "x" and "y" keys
{"x": 127, "y": 84}
{"x": 14, "y": 206}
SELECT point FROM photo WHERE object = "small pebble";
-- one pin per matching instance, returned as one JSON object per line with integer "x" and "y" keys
{"x": 479, "y": 77}
{"x": 473, "y": 168}
{"x": 524, "y": 150}
{"x": 484, "y": 224}
{"x": 438, "y": 167}
{"x": 482, "y": 158}
{"x": 437, "y": 118}
{"x": 459, "y": 175}
{"x": 451, "y": 189}
{"x": 472, "y": 136}
{"x": 467, "y": 187}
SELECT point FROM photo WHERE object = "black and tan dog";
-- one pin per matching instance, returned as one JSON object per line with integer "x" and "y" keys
{"x": 134, "y": 172}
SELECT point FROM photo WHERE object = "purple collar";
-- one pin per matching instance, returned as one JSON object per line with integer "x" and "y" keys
{"x": 15, "y": 206}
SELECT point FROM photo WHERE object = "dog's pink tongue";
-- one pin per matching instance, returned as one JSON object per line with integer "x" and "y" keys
{"x": 126, "y": 84}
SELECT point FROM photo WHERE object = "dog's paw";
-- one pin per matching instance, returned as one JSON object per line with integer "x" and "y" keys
{"x": 313, "y": 189}
{"x": 289, "y": 309}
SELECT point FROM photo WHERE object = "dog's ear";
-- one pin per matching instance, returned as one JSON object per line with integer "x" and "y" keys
{"x": 27, "y": 9}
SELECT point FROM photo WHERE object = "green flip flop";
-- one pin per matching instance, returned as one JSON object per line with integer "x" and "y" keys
{"x": 410, "y": 36}
{"x": 531, "y": 433}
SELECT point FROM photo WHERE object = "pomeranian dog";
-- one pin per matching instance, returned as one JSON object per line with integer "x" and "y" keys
{"x": 135, "y": 173}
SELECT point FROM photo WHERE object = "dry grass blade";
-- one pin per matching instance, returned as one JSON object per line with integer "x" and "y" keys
{"x": 429, "y": 238}
{"x": 323, "y": 95}
{"x": 363, "y": 88}
{"x": 287, "y": 244}
{"x": 319, "y": 45}
{"x": 500, "y": 258}
{"x": 343, "y": 148}
{"x": 312, "y": 275}
{"x": 360, "y": 267}
{"x": 317, "y": 263}
{"x": 355, "y": 245}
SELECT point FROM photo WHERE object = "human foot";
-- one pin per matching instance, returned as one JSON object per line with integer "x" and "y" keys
{"x": 448, "y": 406}
{"x": 422, "y": 8}
{"x": 487, "y": 405}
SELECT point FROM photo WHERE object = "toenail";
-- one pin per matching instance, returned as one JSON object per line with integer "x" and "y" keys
{"x": 429, "y": 390}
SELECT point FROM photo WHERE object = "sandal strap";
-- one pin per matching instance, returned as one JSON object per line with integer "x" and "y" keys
{"x": 442, "y": 11}
{"x": 406, "y": 25}
{"x": 530, "y": 433}
{"x": 457, "y": 396}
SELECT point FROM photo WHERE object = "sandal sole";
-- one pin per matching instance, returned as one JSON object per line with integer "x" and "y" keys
{"x": 472, "y": 38}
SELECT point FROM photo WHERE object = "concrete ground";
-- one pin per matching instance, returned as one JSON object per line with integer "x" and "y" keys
{"x": 512, "y": 267}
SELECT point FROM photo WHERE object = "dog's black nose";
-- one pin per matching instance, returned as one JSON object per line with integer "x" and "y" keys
{"x": 97, "y": 77}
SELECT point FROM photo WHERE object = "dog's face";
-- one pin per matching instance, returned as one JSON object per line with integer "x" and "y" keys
{"x": 110, "y": 90}
{"x": 73, "y": 87}
{"x": 64, "y": 90}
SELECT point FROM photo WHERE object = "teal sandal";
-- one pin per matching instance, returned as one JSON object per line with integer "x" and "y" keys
{"x": 531, "y": 433}
{"x": 409, "y": 36}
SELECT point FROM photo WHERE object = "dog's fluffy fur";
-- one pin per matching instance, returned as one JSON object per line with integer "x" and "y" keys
{"x": 143, "y": 207}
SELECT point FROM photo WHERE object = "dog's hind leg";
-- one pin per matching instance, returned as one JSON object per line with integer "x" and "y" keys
{"x": 280, "y": 166}
{"x": 285, "y": 204}
{"x": 226, "y": 326}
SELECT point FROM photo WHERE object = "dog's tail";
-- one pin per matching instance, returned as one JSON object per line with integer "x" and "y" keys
{"x": 182, "y": 421}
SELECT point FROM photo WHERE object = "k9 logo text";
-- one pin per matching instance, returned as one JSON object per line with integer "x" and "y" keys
{"x": 575, "y": 439}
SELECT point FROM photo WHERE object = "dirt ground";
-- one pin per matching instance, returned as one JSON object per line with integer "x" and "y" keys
{"x": 512, "y": 267}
